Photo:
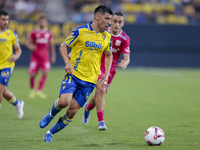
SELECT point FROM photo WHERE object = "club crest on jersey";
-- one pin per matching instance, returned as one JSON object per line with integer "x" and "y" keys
{"x": 38, "y": 35}
{"x": 118, "y": 43}
{"x": 93, "y": 45}
{"x": 103, "y": 36}
{"x": 47, "y": 35}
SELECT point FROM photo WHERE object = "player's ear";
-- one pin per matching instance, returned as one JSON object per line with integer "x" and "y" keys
{"x": 97, "y": 16}
{"x": 122, "y": 23}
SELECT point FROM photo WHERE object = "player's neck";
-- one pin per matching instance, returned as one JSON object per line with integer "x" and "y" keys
{"x": 42, "y": 28}
{"x": 95, "y": 27}
{"x": 2, "y": 29}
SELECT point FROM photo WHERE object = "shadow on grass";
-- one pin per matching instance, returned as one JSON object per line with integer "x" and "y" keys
{"x": 90, "y": 145}
{"x": 113, "y": 144}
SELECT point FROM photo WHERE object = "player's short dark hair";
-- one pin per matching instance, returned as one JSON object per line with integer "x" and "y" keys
{"x": 118, "y": 13}
{"x": 103, "y": 9}
{"x": 43, "y": 16}
{"x": 2, "y": 12}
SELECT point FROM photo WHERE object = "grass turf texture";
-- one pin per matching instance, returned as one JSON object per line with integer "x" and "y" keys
{"x": 136, "y": 100}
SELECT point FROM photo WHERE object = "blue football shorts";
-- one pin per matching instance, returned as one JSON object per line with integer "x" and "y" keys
{"x": 5, "y": 75}
{"x": 80, "y": 89}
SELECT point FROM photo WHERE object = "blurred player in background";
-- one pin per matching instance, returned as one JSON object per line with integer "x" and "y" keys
{"x": 8, "y": 40}
{"x": 88, "y": 42}
{"x": 38, "y": 42}
{"x": 121, "y": 44}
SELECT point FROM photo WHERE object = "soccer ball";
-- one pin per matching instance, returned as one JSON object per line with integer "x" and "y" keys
{"x": 154, "y": 136}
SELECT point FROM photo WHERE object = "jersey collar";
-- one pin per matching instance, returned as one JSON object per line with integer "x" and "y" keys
{"x": 91, "y": 29}
{"x": 90, "y": 26}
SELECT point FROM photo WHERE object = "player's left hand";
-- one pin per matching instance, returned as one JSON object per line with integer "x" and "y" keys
{"x": 101, "y": 84}
{"x": 53, "y": 60}
{"x": 13, "y": 58}
{"x": 122, "y": 64}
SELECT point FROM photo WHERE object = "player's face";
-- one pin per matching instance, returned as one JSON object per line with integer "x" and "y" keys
{"x": 117, "y": 23}
{"x": 42, "y": 23}
{"x": 4, "y": 20}
{"x": 104, "y": 21}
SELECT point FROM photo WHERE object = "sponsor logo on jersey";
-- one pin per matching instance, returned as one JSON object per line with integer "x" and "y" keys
{"x": 41, "y": 40}
{"x": 3, "y": 40}
{"x": 93, "y": 45}
{"x": 118, "y": 43}
{"x": 114, "y": 50}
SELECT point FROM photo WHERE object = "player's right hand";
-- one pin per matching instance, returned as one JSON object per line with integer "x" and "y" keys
{"x": 68, "y": 69}
{"x": 33, "y": 47}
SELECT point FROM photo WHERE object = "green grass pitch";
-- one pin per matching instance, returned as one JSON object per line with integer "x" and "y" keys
{"x": 137, "y": 99}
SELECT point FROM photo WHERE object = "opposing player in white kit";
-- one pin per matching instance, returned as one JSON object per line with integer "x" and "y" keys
{"x": 121, "y": 44}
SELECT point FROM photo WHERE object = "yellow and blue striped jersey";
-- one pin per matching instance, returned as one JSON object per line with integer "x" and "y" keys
{"x": 7, "y": 39}
{"x": 87, "y": 48}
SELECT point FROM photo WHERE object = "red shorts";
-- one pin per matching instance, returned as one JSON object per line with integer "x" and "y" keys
{"x": 35, "y": 65}
{"x": 110, "y": 78}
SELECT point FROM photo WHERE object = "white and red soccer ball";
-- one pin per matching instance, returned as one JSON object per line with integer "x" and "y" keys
{"x": 154, "y": 136}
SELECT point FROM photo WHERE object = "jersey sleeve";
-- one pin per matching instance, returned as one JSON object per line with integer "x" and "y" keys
{"x": 109, "y": 47}
{"x": 72, "y": 38}
{"x": 126, "y": 46}
{"x": 15, "y": 38}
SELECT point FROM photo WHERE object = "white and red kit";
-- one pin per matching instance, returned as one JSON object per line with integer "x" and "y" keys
{"x": 120, "y": 44}
{"x": 40, "y": 57}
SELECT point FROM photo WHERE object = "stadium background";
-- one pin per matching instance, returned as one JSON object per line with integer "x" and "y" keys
{"x": 164, "y": 33}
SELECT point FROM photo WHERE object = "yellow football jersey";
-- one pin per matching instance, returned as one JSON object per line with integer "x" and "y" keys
{"x": 87, "y": 48}
{"x": 7, "y": 39}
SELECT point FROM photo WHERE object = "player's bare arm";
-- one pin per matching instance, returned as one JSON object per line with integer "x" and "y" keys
{"x": 69, "y": 55}
{"x": 29, "y": 44}
{"x": 64, "y": 54}
{"x": 108, "y": 62}
{"x": 124, "y": 62}
{"x": 17, "y": 54}
{"x": 53, "y": 51}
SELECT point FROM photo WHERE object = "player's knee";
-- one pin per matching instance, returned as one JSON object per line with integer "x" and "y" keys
{"x": 100, "y": 91}
{"x": 32, "y": 75}
{"x": 44, "y": 73}
{"x": 62, "y": 103}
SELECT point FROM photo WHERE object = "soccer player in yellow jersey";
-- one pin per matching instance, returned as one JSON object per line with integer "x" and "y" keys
{"x": 8, "y": 40}
{"x": 88, "y": 42}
